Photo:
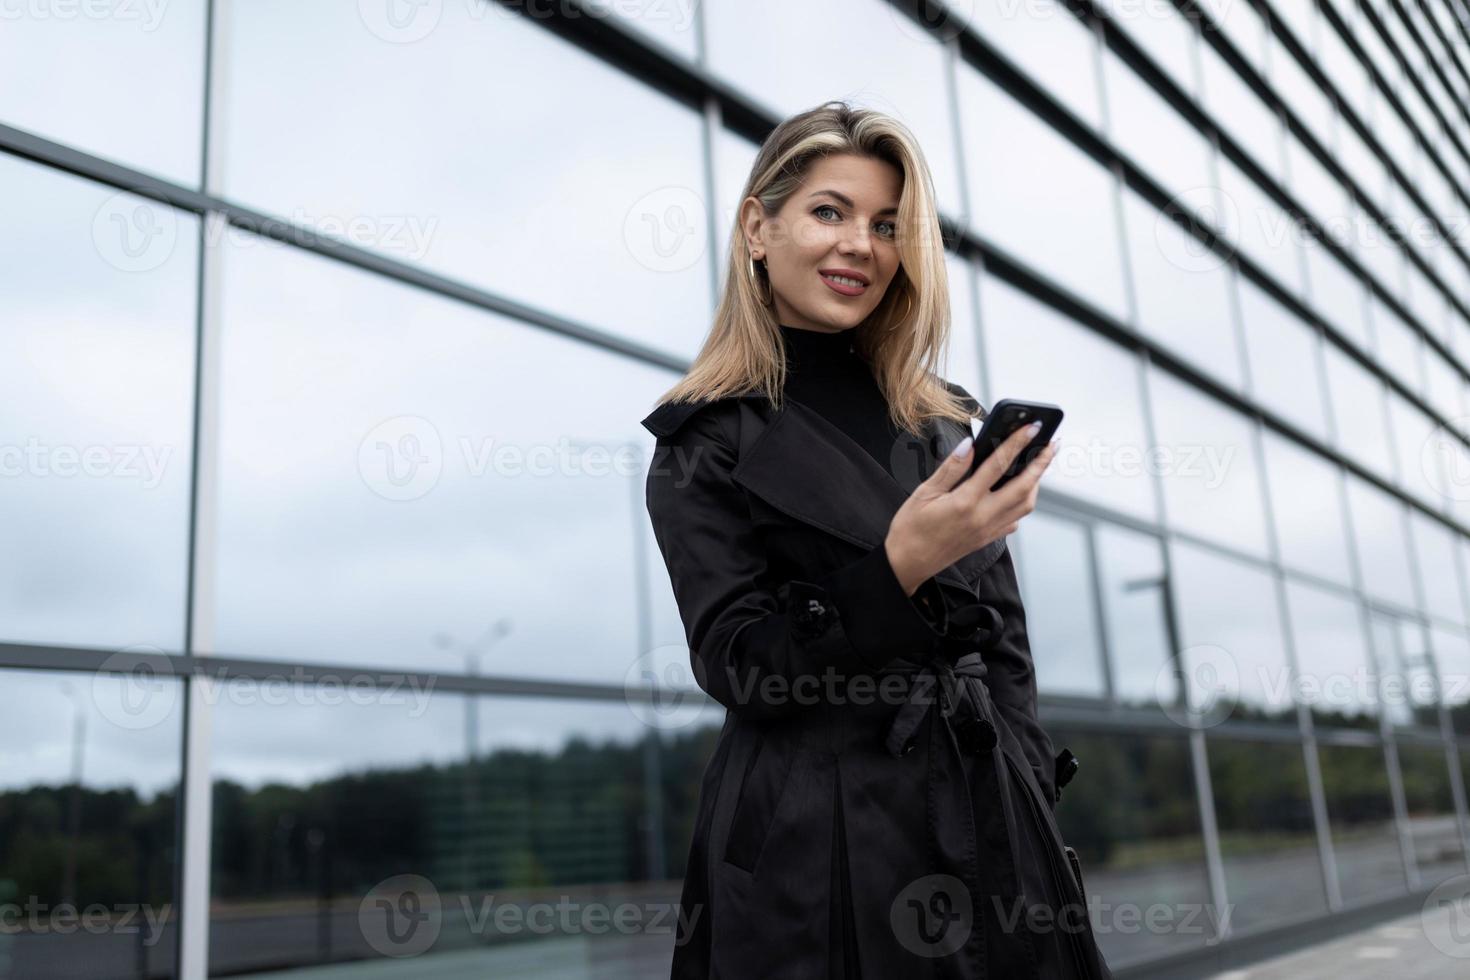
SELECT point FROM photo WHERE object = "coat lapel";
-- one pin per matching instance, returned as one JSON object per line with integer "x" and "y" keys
{"x": 812, "y": 471}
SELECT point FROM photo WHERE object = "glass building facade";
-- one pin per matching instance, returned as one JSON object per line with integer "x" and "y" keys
{"x": 299, "y": 302}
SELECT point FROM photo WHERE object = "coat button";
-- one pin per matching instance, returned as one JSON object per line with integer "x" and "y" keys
{"x": 909, "y": 746}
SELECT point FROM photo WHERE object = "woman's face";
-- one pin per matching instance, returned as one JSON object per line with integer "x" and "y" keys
{"x": 842, "y": 222}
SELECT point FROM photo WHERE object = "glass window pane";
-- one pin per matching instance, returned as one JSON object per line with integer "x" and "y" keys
{"x": 1233, "y": 655}
{"x": 1251, "y": 123}
{"x": 1282, "y": 352}
{"x": 1183, "y": 291}
{"x": 1260, "y": 228}
{"x": 1132, "y": 815}
{"x": 1338, "y": 295}
{"x": 1444, "y": 385}
{"x": 127, "y": 85}
{"x": 1451, "y": 649}
{"x": 1038, "y": 196}
{"x": 1334, "y": 677}
{"x": 611, "y": 231}
{"x": 766, "y": 48}
{"x": 1316, "y": 188}
{"x": 1365, "y": 839}
{"x": 1359, "y": 417}
{"x": 484, "y": 517}
{"x": 1268, "y": 839}
{"x": 1408, "y": 685}
{"x": 1054, "y": 568}
{"x": 89, "y": 776}
{"x": 1434, "y": 552}
{"x": 322, "y": 807}
{"x": 1307, "y": 101}
{"x": 1049, "y": 43}
{"x": 1037, "y": 353}
{"x": 962, "y": 365}
{"x": 1306, "y": 505}
{"x": 1242, "y": 26}
{"x": 734, "y": 156}
{"x": 1400, "y": 347}
{"x": 1415, "y": 445}
{"x": 1206, "y": 452}
{"x": 1163, "y": 34}
{"x": 1378, "y": 531}
{"x": 1147, "y": 128}
{"x": 1434, "y": 829}
{"x": 1132, "y": 569}
{"x": 97, "y": 366}
{"x": 670, "y": 24}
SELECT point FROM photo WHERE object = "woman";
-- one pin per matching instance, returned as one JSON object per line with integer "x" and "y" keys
{"x": 878, "y": 803}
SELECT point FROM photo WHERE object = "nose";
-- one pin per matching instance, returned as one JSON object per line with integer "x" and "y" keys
{"x": 858, "y": 243}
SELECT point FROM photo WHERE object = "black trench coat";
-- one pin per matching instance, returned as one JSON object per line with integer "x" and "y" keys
{"x": 881, "y": 792}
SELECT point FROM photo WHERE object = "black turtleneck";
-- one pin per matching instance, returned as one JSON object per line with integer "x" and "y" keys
{"x": 827, "y": 375}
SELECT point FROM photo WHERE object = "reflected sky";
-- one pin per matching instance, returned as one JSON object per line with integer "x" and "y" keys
{"x": 97, "y": 365}
{"x": 398, "y": 469}
{"x": 434, "y": 151}
{"x": 91, "y": 75}
{"x": 111, "y": 730}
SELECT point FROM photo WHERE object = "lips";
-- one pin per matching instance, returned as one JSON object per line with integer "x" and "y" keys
{"x": 849, "y": 273}
{"x": 844, "y": 288}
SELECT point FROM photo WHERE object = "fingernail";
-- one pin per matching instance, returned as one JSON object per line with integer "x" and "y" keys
{"x": 963, "y": 447}
{"x": 1034, "y": 428}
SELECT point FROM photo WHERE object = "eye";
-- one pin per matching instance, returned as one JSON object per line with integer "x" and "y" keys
{"x": 825, "y": 207}
{"x": 892, "y": 229}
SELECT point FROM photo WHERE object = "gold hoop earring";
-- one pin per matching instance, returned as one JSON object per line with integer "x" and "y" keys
{"x": 756, "y": 279}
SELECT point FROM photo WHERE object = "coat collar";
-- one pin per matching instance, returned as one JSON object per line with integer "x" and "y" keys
{"x": 811, "y": 470}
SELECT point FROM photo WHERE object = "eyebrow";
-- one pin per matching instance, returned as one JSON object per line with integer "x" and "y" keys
{"x": 845, "y": 199}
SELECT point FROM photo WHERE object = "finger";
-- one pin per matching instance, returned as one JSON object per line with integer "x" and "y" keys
{"x": 1000, "y": 460}
{"x": 953, "y": 467}
{"x": 1031, "y": 474}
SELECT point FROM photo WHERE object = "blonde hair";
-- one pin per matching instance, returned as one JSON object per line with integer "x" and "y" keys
{"x": 903, "y": 339}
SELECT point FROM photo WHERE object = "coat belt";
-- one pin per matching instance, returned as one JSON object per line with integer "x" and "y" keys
{"x": 964, "y": 700}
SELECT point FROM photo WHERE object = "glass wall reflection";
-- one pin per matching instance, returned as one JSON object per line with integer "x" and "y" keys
{"x": 1268, "y": 840}
{"x": 1434, "y": 829}
{"x": 96, "y": 427}
{"x": 418, "y": 497}
{"x": 509, "y": 826}
{"x": 89, "y": 818}
{"x": 1365, "y": 840}
{"x": 1132, "y": 816}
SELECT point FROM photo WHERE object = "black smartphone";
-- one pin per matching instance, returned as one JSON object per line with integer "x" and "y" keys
{"x": 1006, "y": 416}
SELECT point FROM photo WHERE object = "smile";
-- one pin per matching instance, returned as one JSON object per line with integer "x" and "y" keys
{"x": 843, "y": 285}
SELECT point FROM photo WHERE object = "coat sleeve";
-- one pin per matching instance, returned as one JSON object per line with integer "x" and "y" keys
{"x": 758, "y": 647}
{"x": 1011, "y": 672}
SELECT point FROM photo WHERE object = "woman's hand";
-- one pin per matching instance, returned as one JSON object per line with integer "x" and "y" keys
{"x": 941, "y": 522}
